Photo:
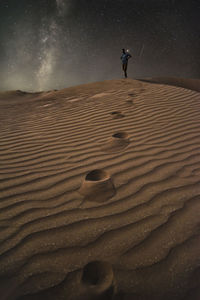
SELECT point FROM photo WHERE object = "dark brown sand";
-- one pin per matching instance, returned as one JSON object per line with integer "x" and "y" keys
{"x": 100, "y": 193}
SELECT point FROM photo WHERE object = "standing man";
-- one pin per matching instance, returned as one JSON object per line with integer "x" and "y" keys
{"x": 125, "y": 57}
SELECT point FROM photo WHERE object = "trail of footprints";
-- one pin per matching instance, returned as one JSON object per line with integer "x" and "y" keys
{"x": 97, "y": 185}
{"x": 97, "y": 280}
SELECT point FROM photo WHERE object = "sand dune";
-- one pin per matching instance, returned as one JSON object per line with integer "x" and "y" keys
{"x": 187, "y": 83}
{"x": 100, "y": 190}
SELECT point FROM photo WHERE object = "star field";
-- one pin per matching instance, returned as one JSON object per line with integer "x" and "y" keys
{"x": 50, "y": 44}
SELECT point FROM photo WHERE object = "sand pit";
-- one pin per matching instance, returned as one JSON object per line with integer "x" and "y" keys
{"x": 117, "y": 115}
{"x": 97, "y": 186}
{"x": 118, "y": 142}
{"x": 100, "y": 193}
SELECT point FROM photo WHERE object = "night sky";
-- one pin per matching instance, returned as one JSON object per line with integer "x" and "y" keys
{"x": 52, "y": 44}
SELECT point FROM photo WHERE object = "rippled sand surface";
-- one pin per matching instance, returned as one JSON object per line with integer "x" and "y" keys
{"x": 100, "y": 193}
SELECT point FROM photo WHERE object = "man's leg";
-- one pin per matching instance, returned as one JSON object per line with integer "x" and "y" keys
{"x": 124, "y": 67}
{"x": 125, "y": 70}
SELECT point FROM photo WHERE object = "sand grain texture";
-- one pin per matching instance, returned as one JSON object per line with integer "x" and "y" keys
{"x": 100, "y": 192}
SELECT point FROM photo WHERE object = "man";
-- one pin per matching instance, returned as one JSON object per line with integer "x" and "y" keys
{"x": 125, "y": 57}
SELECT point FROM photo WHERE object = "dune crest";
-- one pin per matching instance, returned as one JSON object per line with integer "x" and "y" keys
{"x": 187, "y": 83}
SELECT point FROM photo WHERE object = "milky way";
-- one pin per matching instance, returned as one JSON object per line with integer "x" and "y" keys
{"x": 50, "y": 37}
{"x": 52, "y": 44}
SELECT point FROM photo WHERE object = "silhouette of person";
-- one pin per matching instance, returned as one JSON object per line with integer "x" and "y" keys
{"x": 125, "y": 57}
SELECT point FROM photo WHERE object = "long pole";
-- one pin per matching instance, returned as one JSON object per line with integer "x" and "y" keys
{"x": 141, "y": 51}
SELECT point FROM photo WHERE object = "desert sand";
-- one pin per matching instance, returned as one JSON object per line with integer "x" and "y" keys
{"x": 188, "y": 83}
{"x": 100, "y": 192}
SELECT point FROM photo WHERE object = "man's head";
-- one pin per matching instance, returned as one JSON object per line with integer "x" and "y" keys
{"x": 123, "y": 50}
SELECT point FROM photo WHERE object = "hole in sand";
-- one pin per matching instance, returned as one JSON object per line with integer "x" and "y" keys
{"x": 130, "y": 102}
{"x": 96, "y": 175}
{"x": 118, "y": 142}
{"x": 120, "y": 135}
{"x": 97, "y": 186}
{"x": 115, "y": 112}
{"x": 117, "y": 115}
{"x": 97, "y": 272}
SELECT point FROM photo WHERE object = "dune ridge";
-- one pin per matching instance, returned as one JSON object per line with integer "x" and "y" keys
{"x": 142, "y": 240}
{"x": 187, "y": 83}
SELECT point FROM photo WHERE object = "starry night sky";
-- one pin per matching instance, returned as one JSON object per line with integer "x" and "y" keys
{"x": 52, "y": 44}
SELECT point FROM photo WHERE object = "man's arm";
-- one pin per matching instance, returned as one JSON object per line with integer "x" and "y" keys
{"x": 129, "y": 56}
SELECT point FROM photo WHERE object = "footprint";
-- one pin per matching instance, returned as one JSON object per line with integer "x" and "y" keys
{"x": 93, "y": 281}
{"x": 129, "y": 102}
{"x": 97, "y": 186}
{"x": 117, "y": 115}
{"x": 118, "y": 142}
{"x": 98, "y": 277}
